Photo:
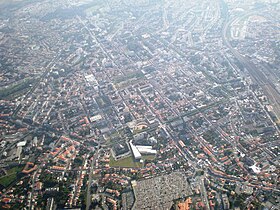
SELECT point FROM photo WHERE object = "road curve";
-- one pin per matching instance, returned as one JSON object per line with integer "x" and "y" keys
{"x": 256, "y": 74}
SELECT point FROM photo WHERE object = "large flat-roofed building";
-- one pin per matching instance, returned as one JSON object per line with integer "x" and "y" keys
{"x": 146, "y": 150}
{"x": 135, "y": 151}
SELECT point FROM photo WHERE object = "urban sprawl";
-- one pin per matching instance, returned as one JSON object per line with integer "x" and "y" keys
{"x": 147, "y": 104}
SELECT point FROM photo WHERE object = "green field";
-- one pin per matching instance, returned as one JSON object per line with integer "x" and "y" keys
{"x": 7, "y": 180}
{"x": 11, "y": 176}
{"x": 126, "y": 163}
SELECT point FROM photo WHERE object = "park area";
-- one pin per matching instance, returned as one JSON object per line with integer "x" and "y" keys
{"x": 11, "y": 175}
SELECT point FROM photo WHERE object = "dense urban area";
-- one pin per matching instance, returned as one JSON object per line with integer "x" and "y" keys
{"x": 145, "y": 104}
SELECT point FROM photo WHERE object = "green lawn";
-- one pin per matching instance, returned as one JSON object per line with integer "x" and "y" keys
{"x": 126, "y": 162}
{"x": 15, "y": 169}
{"x": 7, "y": 180}
{"x": 11, "y": 176}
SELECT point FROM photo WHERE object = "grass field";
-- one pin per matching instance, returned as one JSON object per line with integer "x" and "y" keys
{"x": 11, "y": 176}
{"x": 7, "y": 180}
{"x": 126, "y": 163}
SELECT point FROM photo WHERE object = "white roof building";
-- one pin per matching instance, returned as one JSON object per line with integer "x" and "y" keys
{"x": 135, "y": 151}
{"x": 21, "y": 144}
{"x": 146, "y": 150}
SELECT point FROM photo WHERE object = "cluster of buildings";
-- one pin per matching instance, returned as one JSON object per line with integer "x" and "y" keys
{"x": 159, "y": 192}
{"x": 139, "y": 150}
{"x": 147, "y": 104}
